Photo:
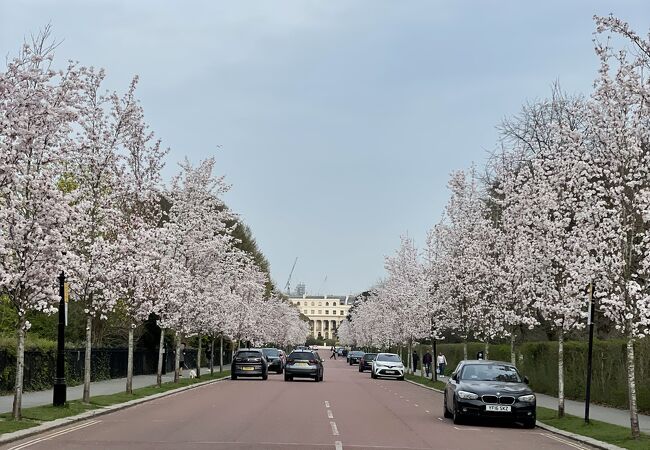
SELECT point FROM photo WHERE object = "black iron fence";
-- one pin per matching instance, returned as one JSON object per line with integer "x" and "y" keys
{"x": 106, "y": 363}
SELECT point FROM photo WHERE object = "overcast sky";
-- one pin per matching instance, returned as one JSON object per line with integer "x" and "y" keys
{"x": 336, "y": 122}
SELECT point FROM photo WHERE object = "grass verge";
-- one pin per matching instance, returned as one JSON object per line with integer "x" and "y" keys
{"x": 426, "y": 381}
{"x": 606, "y": 432}
{"x": 36, "y": 415}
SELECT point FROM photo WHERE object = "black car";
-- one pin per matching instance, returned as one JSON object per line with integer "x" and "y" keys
{"x": 273, "y": 358}
{"x": 303, "y": 364}
{"x": 489, "y": 389}
{"x": 354, "y": 356}
{"x": 365, "y": 363}
{"x": 249, "y": 362}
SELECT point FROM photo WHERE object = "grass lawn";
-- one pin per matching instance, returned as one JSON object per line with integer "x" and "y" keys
{"x": 602, "y": 431}
{"x": 39, "y": 414}
{"x": 426, "y": 381}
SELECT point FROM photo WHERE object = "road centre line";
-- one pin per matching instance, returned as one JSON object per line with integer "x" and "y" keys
{"x": 338, "y": 445}
{"x": 329, "y": 414}
{"x": 335, "y": 430}
{"x": 53, "y": 435}
{"x": 327, "y": 404}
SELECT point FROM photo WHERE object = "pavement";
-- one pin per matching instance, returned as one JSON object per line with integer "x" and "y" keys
{"x": 606, "y": 414}
{"x": 105, "y": 387}
{"x": 347, "y": 410}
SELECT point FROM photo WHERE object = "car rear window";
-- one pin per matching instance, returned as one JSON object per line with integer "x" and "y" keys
{"x": 369, "y": 356}
{"x": 356, "y": 353}
{"x": 302, "y": 355}
{"x": 271, "y": 352}
{"x": 389, "y": 358}
{"x": 248, "y": 354}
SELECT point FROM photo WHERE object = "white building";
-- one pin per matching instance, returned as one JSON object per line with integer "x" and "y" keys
{"x": 325, "y": 312}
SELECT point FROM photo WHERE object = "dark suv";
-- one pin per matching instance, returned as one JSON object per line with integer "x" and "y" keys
{"x": 249, "y": 362}
{"x": 273, "y": 358}
{"x": 365, "y": 363}
{"x": 303, "y": 364}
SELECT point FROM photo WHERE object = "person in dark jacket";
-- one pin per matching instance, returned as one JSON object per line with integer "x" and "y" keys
{"x": 416, "y": 359}
{"x": 427, "y": 359}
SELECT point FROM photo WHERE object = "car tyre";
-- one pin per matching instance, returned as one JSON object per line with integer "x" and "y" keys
{"x": 360, "y": 368}
{"x": 233, "y": 376}
{"x": 280, "y": 371}
{"x": 287, "y": 377}
{"x": 529, "y": 423}
{"x": 401, "y": 378}
{"x": 457, "y": 418}
{"x": 373, "y": 375}
{"x": 445, "y": 411}
{"x": 265, "y": 376}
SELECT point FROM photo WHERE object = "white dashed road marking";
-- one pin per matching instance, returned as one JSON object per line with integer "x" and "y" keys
{"x": 335, "y": 430}
{"x": 327, "y": 404}
{"x": 329, "y": 414}
{"x": 338, "y": 445}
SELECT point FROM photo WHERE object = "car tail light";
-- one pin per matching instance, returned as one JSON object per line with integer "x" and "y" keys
{"x": 312, "y": 361}
{"x": 290, "y": 360}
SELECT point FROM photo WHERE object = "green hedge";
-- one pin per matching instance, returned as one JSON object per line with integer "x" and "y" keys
{"x": 538, "y": 361}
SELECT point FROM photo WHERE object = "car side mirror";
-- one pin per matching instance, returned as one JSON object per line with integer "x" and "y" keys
{"x": 454, "y": 376}
{"x": 526, "y": 380}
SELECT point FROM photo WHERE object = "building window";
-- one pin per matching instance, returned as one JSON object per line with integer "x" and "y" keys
{"x": 333, "y": 303}
{"x": 312, "y": 311}
{"x": 327, "y": 311}
{"x": 298, "y": 303}
{"x": 320, "y": 311}
{"x": 341, "y": 312}
{"x": 327, "y": 303}
{"x": 312, "y": 303}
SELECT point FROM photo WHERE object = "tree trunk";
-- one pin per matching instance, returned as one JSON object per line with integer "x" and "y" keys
{"x": 87, "y": 360}
{"x": 20, "y": 369}
{"x": 422, "y": 374}
{"x": 410, "y": 366}
{"x": 129, "y": 363}
{"x": 198, "y": 359}
{"x": 161, "y": 356}
{"x": 212, "y": 356}
{"x": 221, "y": 354}
{"x": 631, "y": 387}
{"x": 177, "y": 361}
{"x": 486, "y": 353}
{"x": 513, "y": 357}
{"x": 464, "y": 349}
{"x": 560, "y": 374}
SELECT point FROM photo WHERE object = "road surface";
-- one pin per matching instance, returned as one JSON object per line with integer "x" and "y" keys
{"x": 348, "y": 410}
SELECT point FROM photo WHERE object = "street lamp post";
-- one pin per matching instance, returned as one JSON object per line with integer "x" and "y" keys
{"x": 59, "y": 381}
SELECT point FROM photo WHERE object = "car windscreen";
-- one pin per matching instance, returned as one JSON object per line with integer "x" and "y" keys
{"x": 302, "y": 355}
{"x": 369, "y": 356}
{"x": 271, "y": 352}
{"x": 356, "y": 353}
{"x": 247, "y": 354}
{"x": 389, "y": 358}
{"x": 490, "y": 372}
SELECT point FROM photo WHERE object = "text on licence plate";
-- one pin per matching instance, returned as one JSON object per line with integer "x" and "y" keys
{"x": 302, "y": 364}
{"x": 248, "y": 368}
{"x": 498, "y": 408}
{"x": 391, "y": 371}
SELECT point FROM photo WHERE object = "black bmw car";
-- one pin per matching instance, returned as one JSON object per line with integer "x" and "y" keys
{"x": 354, "y": 356}
{"x": 489, "y": 389}
{"x": 365, "y": 363}
{"x": 274, "y": 360}
{"x": 249, "y": 362}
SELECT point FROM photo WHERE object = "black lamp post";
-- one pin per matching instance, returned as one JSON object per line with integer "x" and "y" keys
{"x": 59, "y": 381}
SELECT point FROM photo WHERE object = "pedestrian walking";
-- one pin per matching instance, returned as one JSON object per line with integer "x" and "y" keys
{"x": 181, "y": 359}
{"x": 442, "y": 363}
{"x": 333, "y": 353}
{"x": 416, "y": 359}
{"x": 427, "y": 359}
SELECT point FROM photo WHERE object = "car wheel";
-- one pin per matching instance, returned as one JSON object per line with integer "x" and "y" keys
{"x": 350, "y": 362}
{"x": 280, "y": 371}
{"x": 360, "y": 369}
{"x": 233, "y": 376}
{"x": 445, "y": 411}
{"x": 456, "y": 416}
{"x": 401, "y": 378}
{"x": 373, "y": 375}
{"x": 287, "y": 377}
{"x": 529, "y": 423}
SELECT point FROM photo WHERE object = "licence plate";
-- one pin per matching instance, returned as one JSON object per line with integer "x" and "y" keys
{"x": 248, "y": 368}
{"x": 302, "y": 364}
{"x": 498, "y": 408}
{"x": 391, "y": 371}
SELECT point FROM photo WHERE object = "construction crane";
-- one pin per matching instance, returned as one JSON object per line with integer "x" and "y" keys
{"x": 287, "y": 287}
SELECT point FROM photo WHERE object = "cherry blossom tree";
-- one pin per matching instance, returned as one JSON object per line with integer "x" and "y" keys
{"x": 38, "y": 106}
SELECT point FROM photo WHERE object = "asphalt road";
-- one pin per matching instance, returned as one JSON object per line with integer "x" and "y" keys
{"x": 347, "y": 410}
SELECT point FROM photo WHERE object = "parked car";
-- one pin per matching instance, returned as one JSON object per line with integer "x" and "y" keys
{"x": 354, "y": 356}
{"x": 365, "y": 363}
{"x": 387, "y": 365}
{"x": 304, "y": 364}
{"x": 275, "y": 363}
{"x": 249, "y": 362}
{"x": 489, "y": 389}
{"x": 339, "y": 351}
